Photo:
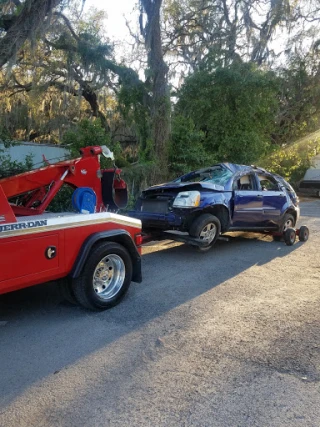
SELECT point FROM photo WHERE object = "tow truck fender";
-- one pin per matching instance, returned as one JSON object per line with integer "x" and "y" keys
{"x": 118, "y": 236}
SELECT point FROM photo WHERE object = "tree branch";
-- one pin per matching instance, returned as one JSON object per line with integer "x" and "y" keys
{"x": 31, "y": 18}
{"x": 68, "y": 24}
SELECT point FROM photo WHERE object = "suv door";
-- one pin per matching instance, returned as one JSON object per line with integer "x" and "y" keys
{"x": 247, "y": 209}
{"x": 274, "y": 199}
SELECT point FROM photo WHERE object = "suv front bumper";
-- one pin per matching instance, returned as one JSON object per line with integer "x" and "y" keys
{"x": 157, "y": 220}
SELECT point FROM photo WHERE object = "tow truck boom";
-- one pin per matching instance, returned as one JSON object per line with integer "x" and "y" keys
{"x": 38, "y": 187}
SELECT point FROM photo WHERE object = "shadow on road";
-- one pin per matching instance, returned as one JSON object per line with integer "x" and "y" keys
{"x": 44, "y": 334}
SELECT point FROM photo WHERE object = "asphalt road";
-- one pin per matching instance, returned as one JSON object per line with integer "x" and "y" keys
{"x": 226, "y": 338}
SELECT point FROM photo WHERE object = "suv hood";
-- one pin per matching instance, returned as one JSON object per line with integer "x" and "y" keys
{"x": 184, "y": 186}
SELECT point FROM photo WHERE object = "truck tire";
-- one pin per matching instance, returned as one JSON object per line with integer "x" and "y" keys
{"x": 206, "y": 227}
{"x": 66, "y": 291}
{"x": 105, "y": 277}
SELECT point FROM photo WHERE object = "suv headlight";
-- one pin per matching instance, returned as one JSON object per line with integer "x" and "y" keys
{"x": 187, "y": 199}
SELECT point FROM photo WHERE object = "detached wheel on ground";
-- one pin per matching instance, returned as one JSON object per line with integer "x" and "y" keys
{"x": 207, "y": 228}
{"x": 105, "y": 278}
{"x": 289, "y": 236}
{"x": 303, "y": 233}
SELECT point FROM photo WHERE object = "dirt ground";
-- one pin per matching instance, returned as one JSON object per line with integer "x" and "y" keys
{"x": 226, "y": 338}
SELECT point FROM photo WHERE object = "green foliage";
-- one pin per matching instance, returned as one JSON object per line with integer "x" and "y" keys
{"x": 226, "y": 111}
{"x": 186, "y": 150}
{"x": 234, "y": 107}
{"x": 132, "y": 108}
{"x": 5, "y": 137}
{"x": 292, "y": 162}
{"x": 90, "y": 132}
{"x": 299, "y": 96}
{"x": 138, "y": 177}
{"x": 85, "y": 133}
{"x": 92, "y": 52}
{"x": 62, "y": 202}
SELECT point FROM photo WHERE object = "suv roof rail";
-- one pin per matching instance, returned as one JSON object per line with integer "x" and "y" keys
{"x": 259, "y": 168}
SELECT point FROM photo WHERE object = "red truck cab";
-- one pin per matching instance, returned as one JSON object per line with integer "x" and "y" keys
{"x": 93, "y": 253}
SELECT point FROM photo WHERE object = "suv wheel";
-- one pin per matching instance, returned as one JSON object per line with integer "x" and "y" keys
{"x": 287, "y": 222}
{"x": 207, "y": 228}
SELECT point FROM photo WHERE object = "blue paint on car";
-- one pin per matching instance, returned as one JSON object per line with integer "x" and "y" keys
{"x": 240, "y": 197}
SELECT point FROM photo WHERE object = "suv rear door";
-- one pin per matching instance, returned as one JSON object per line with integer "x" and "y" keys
{"x": 247, "y": 209}
{"x": 274, "y": 199}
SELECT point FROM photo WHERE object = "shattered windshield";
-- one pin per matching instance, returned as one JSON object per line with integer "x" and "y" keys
{"x": 216, "y": 175}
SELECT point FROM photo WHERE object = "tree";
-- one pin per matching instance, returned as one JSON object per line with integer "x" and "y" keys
{"x": 234, "y": 107}
{"x": 157, "y": 77}
{"x": 75, "y": 60}
{"x": 200, "y": 31}
{"x": 23, "y": 22}
{"x": 187, "y": 149}
{"x": 299, "y": 97}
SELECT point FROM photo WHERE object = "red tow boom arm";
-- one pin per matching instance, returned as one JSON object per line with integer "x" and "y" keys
{"x": 41, "y": 185}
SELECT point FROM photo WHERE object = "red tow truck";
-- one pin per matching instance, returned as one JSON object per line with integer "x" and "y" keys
{"x": 93, "y": 253}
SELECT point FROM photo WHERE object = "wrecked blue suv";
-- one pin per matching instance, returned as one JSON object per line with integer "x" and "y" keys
{"x": 214, "y": 200}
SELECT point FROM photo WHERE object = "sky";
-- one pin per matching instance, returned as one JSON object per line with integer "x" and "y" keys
{"x": 115, "y": 24}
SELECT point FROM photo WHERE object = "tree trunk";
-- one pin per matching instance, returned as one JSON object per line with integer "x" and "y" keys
{"x": 160, "y": 104}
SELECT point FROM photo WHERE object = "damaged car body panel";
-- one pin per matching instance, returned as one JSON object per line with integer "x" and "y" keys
{"x": 233, "y": 197}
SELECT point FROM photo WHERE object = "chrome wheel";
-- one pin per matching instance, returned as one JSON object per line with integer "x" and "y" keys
{"x": 208, "y": 233}
{"x": 105, "y": 276}
{"x": 109, "y": 276}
